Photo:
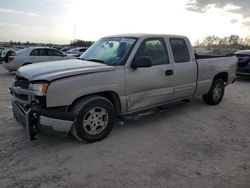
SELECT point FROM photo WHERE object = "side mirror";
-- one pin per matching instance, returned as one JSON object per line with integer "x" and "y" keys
{"x": 143, "y": 61}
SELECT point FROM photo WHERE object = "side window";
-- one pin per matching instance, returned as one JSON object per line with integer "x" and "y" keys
{"x": 180, "y": 50}
{"x": 155, "y": 49}
{"x": 43, "y": 52}
{"x": 34, "y": 53}
{"x": 54, "y": 53}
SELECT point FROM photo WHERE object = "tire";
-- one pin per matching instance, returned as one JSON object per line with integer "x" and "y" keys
{"x": 95, "y": 118}
{"x": 215, "y": 93}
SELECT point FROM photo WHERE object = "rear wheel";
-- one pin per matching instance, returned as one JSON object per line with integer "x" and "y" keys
{"x": 95, "y": 118}
{"x": 216, "y": 92}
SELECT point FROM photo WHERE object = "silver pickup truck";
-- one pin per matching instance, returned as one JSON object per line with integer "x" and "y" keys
{"x": 117, "y": 76}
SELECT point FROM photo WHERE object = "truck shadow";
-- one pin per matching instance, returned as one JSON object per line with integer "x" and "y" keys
{"x": 160, "y": 115}
{"x": 134, "y": 122}
{"x": 147, "y": 119}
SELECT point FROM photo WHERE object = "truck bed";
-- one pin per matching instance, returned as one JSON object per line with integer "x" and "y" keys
{"x": 208, "y": 68}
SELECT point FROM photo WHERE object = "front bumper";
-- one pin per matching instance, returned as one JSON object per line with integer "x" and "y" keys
{"x": 43, "y": 121}
{"x": 28, "y": 111}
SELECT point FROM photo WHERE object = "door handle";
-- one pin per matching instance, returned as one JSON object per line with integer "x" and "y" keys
{"x": 169, "y": 72}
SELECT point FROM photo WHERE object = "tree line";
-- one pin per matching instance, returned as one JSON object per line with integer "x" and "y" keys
{"x": 85, "y": 43}
{"x": 233, "y": 41}
{"x": 74, "y": 43}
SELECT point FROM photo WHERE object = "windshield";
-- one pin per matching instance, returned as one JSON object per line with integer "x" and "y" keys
{"x": 110, "y": 51}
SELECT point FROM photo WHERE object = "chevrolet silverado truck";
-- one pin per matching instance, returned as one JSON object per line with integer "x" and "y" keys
{"x": 117, "y": 76}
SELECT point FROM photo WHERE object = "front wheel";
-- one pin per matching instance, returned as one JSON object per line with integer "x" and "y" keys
{"x": 95, "y": 118}
{"x": 216, "y": 92}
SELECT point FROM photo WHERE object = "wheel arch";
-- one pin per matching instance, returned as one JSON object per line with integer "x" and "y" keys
{"x": 223, "y": 76}
{"x": 112, "y": 96}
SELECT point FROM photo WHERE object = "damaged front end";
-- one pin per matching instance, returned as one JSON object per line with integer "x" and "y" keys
{"x": 29, "y": 109}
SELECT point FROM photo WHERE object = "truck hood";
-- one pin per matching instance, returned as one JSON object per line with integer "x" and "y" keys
{"x": 58, "y": 69}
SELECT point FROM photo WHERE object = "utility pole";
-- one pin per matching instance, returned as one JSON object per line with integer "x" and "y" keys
{"x": 74, "y": 31}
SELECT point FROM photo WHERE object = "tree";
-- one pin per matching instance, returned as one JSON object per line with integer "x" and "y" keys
{"x": 233, "y": 41}
{"x": 211, "y": 41}
{"x": 81, "y": 43}
{"x": 246, "y": 42}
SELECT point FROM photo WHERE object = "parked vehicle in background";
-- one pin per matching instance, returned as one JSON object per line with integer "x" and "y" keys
{"x": 66, "y": 48}
{"x": 117, "y": 76}
{"x": 1, "y": 50}
{"x": 6, "y": 53}
{"x": 76, "y": 52}
{"x": 32, "y": 55}
{"x": 56, "y": 47}
{"x": 243, "y": 63}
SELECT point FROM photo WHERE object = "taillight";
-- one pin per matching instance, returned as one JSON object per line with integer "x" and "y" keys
{"x": 10, "y": 58}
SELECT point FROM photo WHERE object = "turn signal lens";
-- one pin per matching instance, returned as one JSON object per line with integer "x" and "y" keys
{"x": 45, "y": 88}
{"x": 42, "y": 87}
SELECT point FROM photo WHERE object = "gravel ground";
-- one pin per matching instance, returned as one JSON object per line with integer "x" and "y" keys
{"x": 187, "y": 145}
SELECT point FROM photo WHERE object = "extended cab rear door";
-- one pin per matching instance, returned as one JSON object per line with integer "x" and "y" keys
{"x": 184, "y": 66}
{"x": 149, "y": 86}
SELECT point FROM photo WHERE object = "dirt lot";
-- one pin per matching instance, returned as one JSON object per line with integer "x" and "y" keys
{"x": 188, "y": 145}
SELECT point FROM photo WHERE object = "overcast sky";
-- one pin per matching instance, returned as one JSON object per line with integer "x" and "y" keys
{"x": 53, "y": 21}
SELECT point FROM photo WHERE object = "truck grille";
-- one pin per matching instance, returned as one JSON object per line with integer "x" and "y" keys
{"x": 23, "y": 83}
{"x": 22, "y": 97}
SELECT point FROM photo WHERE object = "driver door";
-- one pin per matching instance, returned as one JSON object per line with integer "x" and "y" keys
{"x": 149, "y": 86}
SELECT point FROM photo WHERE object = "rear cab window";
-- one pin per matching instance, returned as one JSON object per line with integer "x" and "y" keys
{"x": 180, "y": 50}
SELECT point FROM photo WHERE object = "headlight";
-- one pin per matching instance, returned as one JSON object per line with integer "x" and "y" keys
{"x": 41, "y": 87}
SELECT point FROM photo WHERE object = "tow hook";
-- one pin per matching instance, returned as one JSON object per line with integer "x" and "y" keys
{"x": 30, "y": 127}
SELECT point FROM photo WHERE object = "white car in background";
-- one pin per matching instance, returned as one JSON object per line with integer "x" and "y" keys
{"x": 76, "y": 52}
{"x": 32, "y": 55}
{"x": 1, "y": 50}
